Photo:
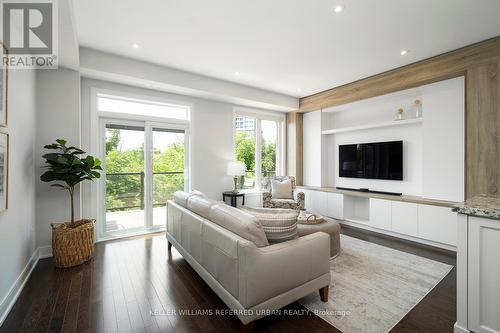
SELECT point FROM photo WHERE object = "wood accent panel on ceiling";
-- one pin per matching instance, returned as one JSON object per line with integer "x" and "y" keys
{"x": 294, "y": 158}
{"x": 480, "y": 64}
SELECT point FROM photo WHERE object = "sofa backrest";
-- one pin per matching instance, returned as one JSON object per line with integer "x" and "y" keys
{"x": 239, "y": 222}
{"x": 232, "y": 219}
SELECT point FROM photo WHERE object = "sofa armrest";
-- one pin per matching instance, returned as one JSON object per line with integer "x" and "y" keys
{"x": 272, "y": 270}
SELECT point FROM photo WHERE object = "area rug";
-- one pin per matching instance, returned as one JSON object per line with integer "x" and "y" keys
{"x": 373, "y": 287}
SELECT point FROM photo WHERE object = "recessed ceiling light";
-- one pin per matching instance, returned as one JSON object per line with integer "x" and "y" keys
{"x": 338, "y": 8}
{"x": 236, "y": 73}
{"x": 403, "y": 52}
{"x": 135, "y": 46}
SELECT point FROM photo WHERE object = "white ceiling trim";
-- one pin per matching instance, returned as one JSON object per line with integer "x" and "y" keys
{"x": 105, "y": 66}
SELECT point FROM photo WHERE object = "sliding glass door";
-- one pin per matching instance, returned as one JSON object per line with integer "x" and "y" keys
{"x": 125, "y": 177}
{"x": 144, "y": 164}
{"x": 168, "y": 165}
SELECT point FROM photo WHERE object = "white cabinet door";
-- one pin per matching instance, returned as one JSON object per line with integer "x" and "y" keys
{"x": 437, "y": 224}
{"x": 380, "y": 214}
{"x": 404, "y": 218}
{"x": 484, "y": 275}
{"x": 316, "y": 202}
{"x": 335, "y": 205}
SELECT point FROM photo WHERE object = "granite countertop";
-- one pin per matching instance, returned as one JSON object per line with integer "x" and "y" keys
{"x": 481, "y": 205}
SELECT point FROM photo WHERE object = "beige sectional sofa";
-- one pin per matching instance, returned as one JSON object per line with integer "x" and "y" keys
{"x": 229, "y": 250}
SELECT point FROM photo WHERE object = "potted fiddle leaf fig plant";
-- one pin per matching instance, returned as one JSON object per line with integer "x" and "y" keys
{"x": 72, "y": 242}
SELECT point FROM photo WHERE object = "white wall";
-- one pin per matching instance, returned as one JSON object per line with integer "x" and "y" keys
{"x": 444, "y": 140}
{"x": 17, "y": 224}
{"x": 411, "y": 135}
{"x": 312, "y": 143}
{"x": 58, "y": 117}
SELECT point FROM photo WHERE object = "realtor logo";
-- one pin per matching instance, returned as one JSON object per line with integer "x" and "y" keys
{"x": 29, "y": 33}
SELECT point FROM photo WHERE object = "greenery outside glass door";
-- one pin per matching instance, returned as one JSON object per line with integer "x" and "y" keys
{"x": 144, "y": 164}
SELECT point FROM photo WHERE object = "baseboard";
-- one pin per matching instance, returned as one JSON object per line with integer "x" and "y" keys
{"x": 459, "y": 329}
{"x": 16, "y": 289}
{"x": 44, "y": 252}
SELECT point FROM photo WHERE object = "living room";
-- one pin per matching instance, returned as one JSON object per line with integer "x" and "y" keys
{"x": 249, "y": 166}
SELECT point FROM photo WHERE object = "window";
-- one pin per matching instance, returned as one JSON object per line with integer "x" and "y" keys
{"x": 118, "y": 104}
{"x": 258, "y": 141}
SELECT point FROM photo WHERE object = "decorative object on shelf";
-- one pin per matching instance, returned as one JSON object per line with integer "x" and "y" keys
{"x": 72, "y": 242}
{"x": 235, "y": 169}
{"x": 4, "y": 83}
{"x": 400, "y": 114}
{"x": 4, "y": 171}
{"x": 418, "y": 108}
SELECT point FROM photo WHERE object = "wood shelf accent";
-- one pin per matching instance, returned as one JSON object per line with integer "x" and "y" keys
{"x": 403, "y": 198}
{"x": 378, "y": 125}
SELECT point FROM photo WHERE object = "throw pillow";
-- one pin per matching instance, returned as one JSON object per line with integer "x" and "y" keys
{"x": 282, "y": 189}
{"x": 280, "y": 225}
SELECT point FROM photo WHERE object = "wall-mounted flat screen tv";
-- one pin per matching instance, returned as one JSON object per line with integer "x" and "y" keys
{"x": 377, "y": 160}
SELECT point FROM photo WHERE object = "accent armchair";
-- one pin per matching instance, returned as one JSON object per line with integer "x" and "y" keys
{"x": 296, "y": 200}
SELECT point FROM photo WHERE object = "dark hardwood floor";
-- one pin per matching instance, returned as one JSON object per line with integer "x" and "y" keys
{"x": 130, "y": 279}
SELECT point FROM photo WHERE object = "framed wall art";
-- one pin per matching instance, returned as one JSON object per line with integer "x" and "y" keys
{"x": 4, "y": 171}
{"x": 4, "y": 82}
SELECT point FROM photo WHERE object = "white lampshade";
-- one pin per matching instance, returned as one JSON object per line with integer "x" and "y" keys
{"x": 236, "y": 168}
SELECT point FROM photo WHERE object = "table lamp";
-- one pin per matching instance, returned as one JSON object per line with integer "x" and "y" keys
{"x": 235, "y": 169}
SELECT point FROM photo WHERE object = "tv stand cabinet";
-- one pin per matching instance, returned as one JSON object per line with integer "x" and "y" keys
{"x": 427, "y": 221}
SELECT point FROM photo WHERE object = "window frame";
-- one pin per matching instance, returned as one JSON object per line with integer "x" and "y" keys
{"x": 260, "y": 115}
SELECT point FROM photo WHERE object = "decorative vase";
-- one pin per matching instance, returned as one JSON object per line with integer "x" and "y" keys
{"x": 399, "y": 114}
{"x": 418, "y": 108}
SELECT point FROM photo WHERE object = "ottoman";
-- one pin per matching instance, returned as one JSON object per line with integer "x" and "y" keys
{"x": 329, "y": 226}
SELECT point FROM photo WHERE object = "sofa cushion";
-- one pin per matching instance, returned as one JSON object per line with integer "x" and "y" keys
{"x": 181, "y": 198}
{"x": 280, "y": 225}
{"x": 239, "y": 222}
{"x": 282, "y": 189}
{"x": 200, "y": 205}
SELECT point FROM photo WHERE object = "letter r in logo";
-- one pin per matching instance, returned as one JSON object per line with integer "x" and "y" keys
{"x": 27, "y": 27}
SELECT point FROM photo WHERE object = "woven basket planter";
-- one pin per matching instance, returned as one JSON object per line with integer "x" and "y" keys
{"x": 72, "y": 245}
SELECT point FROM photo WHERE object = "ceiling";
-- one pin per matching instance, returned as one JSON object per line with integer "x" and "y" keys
{"x": 294, "y": 47}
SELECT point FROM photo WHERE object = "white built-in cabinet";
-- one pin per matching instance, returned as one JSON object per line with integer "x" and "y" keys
{"x": 405, "y": 218}
{"x": 334, "y": 205}
{"x": 381, "y": 214}
{"x": 317, "y": 202}
{"x": 437, "y": 224}
{"x": 478, "y": 275}
{"x": 430, "y": 223}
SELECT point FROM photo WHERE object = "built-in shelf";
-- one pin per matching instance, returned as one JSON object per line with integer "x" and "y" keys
{"x": 377, "y": 125}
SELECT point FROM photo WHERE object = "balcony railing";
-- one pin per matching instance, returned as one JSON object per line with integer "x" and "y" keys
{"x": 248, "y": 181}
{"x": 125, "y": 190}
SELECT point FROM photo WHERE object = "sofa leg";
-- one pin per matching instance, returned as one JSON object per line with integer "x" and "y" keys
{"x": 323, "y": 294}
{"x": 246, "y": 328}
{"x": 169, "y": 246}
